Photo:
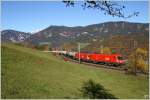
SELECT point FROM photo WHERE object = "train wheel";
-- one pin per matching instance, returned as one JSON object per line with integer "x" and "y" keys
{"x": 107, "y": 64}
{"x": 116, "y": 65}
{"x": 102, "y": 63}
{"x": 95, "y": 62}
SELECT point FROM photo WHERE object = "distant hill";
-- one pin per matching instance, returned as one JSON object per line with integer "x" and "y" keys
{"x": 14, "y": 36}
{"x": 59, "y": 35}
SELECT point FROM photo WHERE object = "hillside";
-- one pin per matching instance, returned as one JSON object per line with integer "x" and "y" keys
{"x": 27, "y": 73}
{"x": 123, "y": 44}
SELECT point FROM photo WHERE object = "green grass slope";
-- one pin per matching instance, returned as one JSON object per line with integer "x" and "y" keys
{"x": 28, "y": 73}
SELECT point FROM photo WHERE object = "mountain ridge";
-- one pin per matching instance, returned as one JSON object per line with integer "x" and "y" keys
{"x": 59, "y": 35}
{"x": 75, "y": 26}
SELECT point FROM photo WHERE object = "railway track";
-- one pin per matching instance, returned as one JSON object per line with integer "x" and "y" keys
{"x": 121, "y": 68}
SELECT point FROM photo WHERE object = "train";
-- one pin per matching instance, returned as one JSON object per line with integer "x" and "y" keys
{"x": 108, "y": 59}
{"x": 97, "y": 58}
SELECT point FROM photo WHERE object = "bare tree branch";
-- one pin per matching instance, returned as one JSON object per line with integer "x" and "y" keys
{"x": 107, "y": 7}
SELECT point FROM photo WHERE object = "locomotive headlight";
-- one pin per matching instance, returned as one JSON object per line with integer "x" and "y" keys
{"x": 88, "y": 57}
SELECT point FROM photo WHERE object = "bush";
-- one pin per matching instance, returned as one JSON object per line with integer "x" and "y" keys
{"x": 19, "y": 44}
{"x": 42, "y": 47}
{"x": 95, "y": 91}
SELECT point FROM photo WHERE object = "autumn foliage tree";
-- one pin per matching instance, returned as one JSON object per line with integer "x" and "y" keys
{"x": 69, "y": 46}
{"x": 142, "y": 57}
{"x": 138, "y": 60}
{"x": 106, "y": 50}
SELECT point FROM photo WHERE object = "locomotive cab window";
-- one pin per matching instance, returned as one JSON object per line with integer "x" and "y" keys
{"x": 120, "y": 58}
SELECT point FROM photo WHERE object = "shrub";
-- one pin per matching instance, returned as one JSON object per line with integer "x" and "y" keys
{"x": 19, "y": 44}
{"x": 95, "y": 91}
{"x": 42, "y": 47}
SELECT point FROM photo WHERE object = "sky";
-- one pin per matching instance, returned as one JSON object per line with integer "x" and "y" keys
{"x": 32, "y": 16}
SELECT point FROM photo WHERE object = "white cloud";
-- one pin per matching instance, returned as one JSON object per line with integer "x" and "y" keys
{"x": 35, "y": 31}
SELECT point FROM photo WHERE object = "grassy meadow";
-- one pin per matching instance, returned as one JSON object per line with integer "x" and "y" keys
{"x": 28, "y": 73}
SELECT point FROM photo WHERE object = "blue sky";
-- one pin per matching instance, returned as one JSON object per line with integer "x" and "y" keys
{"x": 29, "y": 16}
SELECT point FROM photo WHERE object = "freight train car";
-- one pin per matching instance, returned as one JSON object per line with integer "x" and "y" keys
{"x": 71, "y": 54}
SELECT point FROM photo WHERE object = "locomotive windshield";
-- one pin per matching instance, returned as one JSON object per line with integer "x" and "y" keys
{"x": 120, "y": 58}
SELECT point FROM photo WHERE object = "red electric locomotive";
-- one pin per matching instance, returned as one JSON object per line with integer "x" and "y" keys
{"x": 112, "y": 59}
{"x": 109, "y": 59}
{"x": 83, "y": 56}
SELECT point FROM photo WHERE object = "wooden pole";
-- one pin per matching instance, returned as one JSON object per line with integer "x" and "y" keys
{"x": 135, "y": 58}
{"x": 102, "y": 49}
{"x": 79, "y": 51}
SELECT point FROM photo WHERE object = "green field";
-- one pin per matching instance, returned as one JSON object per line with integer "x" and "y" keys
{"x": 28, "y": 73}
